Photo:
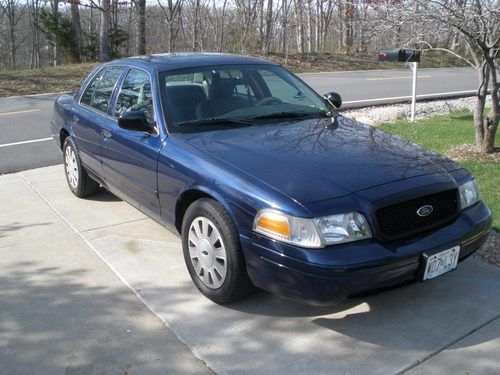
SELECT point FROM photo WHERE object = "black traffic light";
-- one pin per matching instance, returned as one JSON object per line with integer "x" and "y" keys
{"x": 399, "y": 55}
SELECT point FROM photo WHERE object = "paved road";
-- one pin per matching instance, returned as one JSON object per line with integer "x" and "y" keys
{"x": 365, "y": 88}
{"x": 26, "y": 119}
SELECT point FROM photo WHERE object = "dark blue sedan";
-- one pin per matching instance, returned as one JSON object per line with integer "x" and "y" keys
{"x": 267, "y": 184}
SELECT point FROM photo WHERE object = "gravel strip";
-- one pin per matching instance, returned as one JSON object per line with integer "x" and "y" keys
{"x": 390, "y": 113}
{"x": 490, "y": 251}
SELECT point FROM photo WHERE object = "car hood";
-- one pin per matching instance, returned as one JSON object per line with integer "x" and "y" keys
{"x": 319, "y": 159}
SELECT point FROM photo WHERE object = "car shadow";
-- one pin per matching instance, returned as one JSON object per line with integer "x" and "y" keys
{"x": 411, "y": 316}
{"x": 103, "y": 196}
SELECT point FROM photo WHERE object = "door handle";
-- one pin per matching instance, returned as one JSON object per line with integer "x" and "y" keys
{"x": 105, "y": 134}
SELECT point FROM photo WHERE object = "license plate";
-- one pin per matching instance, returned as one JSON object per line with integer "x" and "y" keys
{"x": 441, "y": 262}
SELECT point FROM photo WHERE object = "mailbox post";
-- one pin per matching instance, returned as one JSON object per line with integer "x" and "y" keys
{"x": 410, "y": 56}
{"x": 413, "y": 66}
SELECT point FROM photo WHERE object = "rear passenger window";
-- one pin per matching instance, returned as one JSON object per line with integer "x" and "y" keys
{"x": 89, "y": 91}
{"x": 135, "y": 94}
{"x": 99, "y": 91}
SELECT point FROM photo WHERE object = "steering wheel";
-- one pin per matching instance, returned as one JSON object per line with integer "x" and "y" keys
{"x": 268, "y": 100}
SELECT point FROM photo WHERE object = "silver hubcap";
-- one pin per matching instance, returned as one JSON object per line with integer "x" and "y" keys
{"x": 71, "y": 167}
{"x": 207, "y": 252}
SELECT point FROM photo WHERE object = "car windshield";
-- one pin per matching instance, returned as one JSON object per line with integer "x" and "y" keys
{"x": 206, "y": 98}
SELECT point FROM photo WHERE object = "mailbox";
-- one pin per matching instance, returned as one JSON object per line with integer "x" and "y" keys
{"x": 399, "y": 55}
{"x": 388, "y": 55}
{"x": 409, "y": 55}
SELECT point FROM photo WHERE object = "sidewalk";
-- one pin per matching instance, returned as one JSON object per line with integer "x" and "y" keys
{"x": 64, "y": 306}
{"x": 62, "y": 310}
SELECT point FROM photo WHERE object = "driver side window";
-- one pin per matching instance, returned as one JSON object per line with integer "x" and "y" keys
{"x": 135, "y": 94}
{"x": 284, "y": 90}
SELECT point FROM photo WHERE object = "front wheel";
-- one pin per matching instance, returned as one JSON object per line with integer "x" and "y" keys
{"x": 77, "y": 178}
{"x": 213, "y": 254}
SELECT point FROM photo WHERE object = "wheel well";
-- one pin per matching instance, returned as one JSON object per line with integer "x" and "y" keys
{"x": 186, "y": 199}
{"x": 63, "y": 134}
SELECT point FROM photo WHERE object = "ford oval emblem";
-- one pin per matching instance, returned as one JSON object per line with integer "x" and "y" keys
{"x": 425, "y": 210}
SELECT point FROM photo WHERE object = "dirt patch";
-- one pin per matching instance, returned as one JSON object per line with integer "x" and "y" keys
{"x": 38, "y": 81}
{"x": 327, "y": 62}
{"x": 69, "y": 77}
{"x": 490, "y": 251}
{"x": 468, "y": 151}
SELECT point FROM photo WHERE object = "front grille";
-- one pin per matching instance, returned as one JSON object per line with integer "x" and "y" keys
{"x": 401, "y": 219}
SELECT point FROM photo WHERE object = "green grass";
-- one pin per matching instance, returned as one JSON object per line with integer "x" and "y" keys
{"x": 446, "y": 132}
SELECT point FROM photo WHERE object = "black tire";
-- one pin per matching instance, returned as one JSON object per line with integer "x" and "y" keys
{"x": 83, "y": 185}
{"x": 236, "y": 284}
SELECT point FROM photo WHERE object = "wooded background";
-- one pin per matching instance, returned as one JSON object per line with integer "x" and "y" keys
{"x": 38, "y": 33}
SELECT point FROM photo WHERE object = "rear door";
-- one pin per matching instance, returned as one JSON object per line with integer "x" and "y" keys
{"x": 129, "y": 158}
{"x": 91, "y": 116}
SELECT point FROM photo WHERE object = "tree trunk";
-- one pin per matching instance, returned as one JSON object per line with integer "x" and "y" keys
{"x": 284, "y": 25}
{"x": 55, "y": 10}
{"x": 487, "y": 125}
{"x": 104, "y": 32}
{"x": 299, "y": 11}
{"x": 196, "y": 27}
{"x": 483, "y": 76}
{"x": 223, "y": 15}
{"x": 262, "y": 32}
{"x": 77, "y": 28}
{"x": 269, "y": 26}
{"x": 490, "y": 122}
{"x": 12, "y": 36}
{"x": 141, "y": 26}
{"x": 34, "y": 11}
{"x": 309, "y": 26}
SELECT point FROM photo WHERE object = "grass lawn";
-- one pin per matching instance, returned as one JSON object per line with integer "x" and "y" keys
{"x": 446, "y": 132}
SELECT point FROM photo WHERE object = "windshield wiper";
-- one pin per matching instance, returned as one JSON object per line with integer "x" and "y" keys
{"x": 298, "y": 115}
{"x": 216, "y": 121}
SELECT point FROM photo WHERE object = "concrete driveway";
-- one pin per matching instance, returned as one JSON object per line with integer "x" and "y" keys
{"x": 64, "y": 308}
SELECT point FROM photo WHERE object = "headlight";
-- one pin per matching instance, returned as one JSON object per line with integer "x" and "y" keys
{"x": 469, "y": 194}
{"x": 343, "y": 228}
{"x": 312, "y": 233}
{"x": 286, "y": 228}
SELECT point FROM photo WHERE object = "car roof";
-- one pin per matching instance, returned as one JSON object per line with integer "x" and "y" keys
{"x": 183, "y": 60}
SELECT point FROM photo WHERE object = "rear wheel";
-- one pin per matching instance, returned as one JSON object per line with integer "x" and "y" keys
{"x": 213, "y": 254}
{"x": 77, "y": 178}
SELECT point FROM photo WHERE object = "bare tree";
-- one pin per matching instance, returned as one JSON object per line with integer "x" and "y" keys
{"x": 171, "y": 14}
{"x": 477, "y": 25}
{"x": 299, "y": 14}
{"x": 13, "y": 11}
{"x": 104, "y": 46}
{"x": 34, "y": 12}
{"x": 77, "y": 28}
{"x": 140, "y": 6}
{"x": 247, "y": 13}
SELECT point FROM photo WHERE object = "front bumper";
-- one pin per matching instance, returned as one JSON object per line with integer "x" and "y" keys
{"x": 321, "y": 277}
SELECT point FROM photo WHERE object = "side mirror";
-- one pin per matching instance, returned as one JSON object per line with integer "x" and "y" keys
{"x": 333, "y": 98}
{"x": 135, "y": 121}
